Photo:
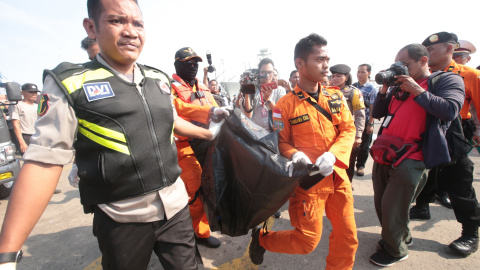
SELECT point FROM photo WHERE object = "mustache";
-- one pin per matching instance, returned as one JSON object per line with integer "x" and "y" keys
{"x": 131, "y": 43}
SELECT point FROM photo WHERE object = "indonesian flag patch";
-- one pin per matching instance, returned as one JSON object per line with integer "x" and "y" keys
{"x": 277, "y": 113}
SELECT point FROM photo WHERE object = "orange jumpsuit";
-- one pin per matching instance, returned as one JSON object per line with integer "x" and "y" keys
{"x": 303, "y": 128}
{"x": 471, "y": 78}
{"x": 192, "y": 110}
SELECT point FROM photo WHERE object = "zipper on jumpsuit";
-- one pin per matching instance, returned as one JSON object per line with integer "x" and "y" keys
{"x": 152, "y": 132}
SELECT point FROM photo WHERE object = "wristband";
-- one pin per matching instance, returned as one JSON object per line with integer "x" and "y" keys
{"x": 11, "y": 257}
{"x": 370, "y": 124}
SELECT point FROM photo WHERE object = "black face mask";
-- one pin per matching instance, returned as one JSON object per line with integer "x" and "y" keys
{"x": 187, "y": 70}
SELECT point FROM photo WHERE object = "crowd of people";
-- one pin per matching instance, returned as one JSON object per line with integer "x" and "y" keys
{"x": 143, "y": 187}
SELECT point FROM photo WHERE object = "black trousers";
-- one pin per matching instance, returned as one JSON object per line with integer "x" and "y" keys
{"x": 456, "y": 180}
{"x": 130, "y": 245}
{"x": 364, "y": 148}
{"x": 351, "y": 165}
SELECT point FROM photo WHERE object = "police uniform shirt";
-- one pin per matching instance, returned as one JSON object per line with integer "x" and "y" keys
{"x": 356, "y": 106}
{"x": 26, "y": 114}
{"x": 52, "y": 144}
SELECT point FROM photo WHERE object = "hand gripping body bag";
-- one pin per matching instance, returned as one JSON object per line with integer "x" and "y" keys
{"x": 244, "y": 178}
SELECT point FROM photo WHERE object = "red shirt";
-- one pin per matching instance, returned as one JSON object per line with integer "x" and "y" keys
{"x": 409, "y": 120}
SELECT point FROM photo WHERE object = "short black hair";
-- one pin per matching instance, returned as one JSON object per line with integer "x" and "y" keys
{"x": 212, "y": 80}
{"x": 95, "y": 8}
{"x": 305, "y": 46}
{"x": 415, "y": 51}
{"x": 87, "y": 43}
{"x": 369, "y": 68}
{"x": 293, "y": 72}
{"x": 265, "y": 61}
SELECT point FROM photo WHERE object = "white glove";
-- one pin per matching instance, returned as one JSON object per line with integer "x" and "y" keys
{"x": 300, "y": 155}
{"x": 296, "y": 158}
{"x": 8, "y": 266}
{"x": 222, "y": 110}
{"x": 73, "y": 176}
{"x": 325, "y": 164}
{"x": 215, "y": 128}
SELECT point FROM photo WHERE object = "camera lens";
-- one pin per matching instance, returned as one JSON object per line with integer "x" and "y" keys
{"x": 380, "y": 78}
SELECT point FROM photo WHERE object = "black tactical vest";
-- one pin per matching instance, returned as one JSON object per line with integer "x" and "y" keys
{"x": 125, "y": 146}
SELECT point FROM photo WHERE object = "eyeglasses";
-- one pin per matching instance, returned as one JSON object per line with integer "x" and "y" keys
{"x": 264, "y": 72}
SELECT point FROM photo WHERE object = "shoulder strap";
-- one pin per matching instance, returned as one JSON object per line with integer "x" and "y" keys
{"x": 318, "y": 107}
{"x": 433, "y": 79}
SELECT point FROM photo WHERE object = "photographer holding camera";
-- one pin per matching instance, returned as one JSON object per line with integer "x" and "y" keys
{"x": 417, "y": 113}
{"x": 259, "y": 105}
{"x": 455, "y": 178}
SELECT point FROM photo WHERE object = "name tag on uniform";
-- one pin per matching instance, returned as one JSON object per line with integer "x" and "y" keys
{"x": 298, "y": 120}
{"x": 96, "y": 91}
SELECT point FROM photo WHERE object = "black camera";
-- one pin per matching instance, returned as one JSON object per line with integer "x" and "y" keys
{"x": 249, "y": 81}
{"x": 211, "y": 68}
{"x": 388, "y": 76}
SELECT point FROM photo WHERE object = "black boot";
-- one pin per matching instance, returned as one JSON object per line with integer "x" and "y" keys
{"x": 443, "y": 199}
{"x": 420, "y": 212}
{"x": 468, "y": 242}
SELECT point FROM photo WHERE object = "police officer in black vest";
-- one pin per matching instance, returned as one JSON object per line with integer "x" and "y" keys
{"x": 122, "y": 117}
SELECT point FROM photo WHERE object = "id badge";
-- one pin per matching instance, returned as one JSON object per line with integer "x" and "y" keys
{"x": 388, "y": 120}
{"x": 264, "y": 112}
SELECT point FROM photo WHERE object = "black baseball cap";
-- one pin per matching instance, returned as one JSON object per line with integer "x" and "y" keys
{"x": 185, "y": 54}
{"x": 30, "y": 87}
{"x": 441, "y": 37}
{"x": 340, "y": 68}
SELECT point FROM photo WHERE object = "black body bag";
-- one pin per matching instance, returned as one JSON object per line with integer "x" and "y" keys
{"x": 244, "y": 181}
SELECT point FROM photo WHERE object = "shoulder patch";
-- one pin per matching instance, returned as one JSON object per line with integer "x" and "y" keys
{"x": 278, "y": 125}
{"x": 300, "y": 119}
{"x": 277, "y": 113}
{"x": 43, "y": 106}
{"x": 164, "y": 87}
{"x": 96, "y": 91}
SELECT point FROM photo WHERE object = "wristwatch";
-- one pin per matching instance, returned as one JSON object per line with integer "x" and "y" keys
{"x": 11, "y": 257}
{"x": 370, "y": 124}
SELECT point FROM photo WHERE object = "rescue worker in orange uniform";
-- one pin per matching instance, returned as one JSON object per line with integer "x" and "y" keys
{"x": 193, "y": 102}
{"x": 324, "y": 135}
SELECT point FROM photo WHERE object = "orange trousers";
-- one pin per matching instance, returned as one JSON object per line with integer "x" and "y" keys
{"x": 191, "y": 176}
{"x": 306, "y": 215}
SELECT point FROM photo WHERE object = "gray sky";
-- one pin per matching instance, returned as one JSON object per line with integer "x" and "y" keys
{"x": 40, "y": 34}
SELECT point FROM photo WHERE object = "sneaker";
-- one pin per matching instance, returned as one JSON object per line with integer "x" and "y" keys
{"x": 361, "y": 172}
{"x": 210, "y": 242}
{"x": 382, "y": 258}
{"x": 381, "y": 243}
{"x": 418, "y": 212}
{"x": 277, "y": 214}
{"x": 256, "y": 251}
{"x": 465, "y": 245}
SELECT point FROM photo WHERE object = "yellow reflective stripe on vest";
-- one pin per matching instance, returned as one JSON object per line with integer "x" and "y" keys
{"x": 102, "y": 130}
{"x": 75, "y": 82}
{"x": 156, "y": 75}
{"x": 109, "y": 144}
